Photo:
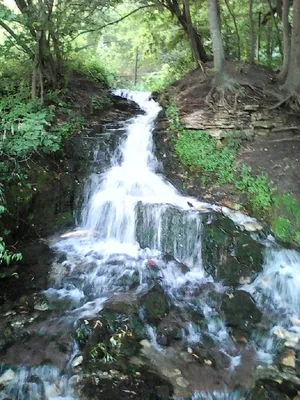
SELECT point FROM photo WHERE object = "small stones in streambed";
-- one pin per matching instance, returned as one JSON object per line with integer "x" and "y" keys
{"x": 171, "y": 373}
{"x": 291, "y": 338}
{"x": 7, "y": 377}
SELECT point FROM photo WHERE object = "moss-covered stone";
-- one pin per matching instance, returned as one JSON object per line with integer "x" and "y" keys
{"x": 228, "y": 253}
{"x": 155, "y": 305}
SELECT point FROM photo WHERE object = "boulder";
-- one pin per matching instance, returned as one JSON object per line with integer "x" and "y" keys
{"x": 229, "y": 254}
{"x": 240, "y": 311}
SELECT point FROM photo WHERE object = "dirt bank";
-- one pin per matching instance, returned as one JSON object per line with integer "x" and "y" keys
{"x": 269, "y": 140}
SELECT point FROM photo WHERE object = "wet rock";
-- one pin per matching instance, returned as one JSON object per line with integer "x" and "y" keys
{"x": 229, "y": 254}
{"x": 36, "y": 253}
{"x": 155, "y": 305}
{"x": 171, "y": 328}
{"x": 240, "y": 312}
{"x": 145, "y": 385}
{"x": 125, "y": 303}
{"x": 7, "y": 377}
{"x": 77, "y": 361}
{"x": 288, "y": 358}
{"x": 267, "y": 389}
{"x": 291, "y": 339}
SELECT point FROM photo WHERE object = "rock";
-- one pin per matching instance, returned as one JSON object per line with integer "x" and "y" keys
{"x": 289, "y": 358}
{"x": 253, "y": 226}
{"x": 291, "y": 338}
{"x": 273, "y": 389}
{"x": 171, "y": 373}
{"x": 7, "y": 377}
{"x": 228, "y": 253}
{"x": 155, "y": 305}
{"x": 36, "y": 253}
{"x": 182, "y": 382}
{"x": 77, "y": 361}
{"x": 241, "y": 312}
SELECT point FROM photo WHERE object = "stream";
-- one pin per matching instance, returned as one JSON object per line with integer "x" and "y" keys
{"x": 155, "y": 295}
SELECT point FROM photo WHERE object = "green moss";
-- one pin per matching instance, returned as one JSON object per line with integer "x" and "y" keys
{"x": 297, "y": 237}
{"x": 282, "y": 228}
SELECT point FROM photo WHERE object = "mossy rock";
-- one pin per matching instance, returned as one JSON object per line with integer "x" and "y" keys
{"x": 240, "y": 311}
{"x": 155, "y": 305}
{"x": 229, "y": 254}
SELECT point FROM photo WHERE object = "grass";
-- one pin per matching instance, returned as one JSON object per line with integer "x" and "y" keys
{"x": 199, "y": 153}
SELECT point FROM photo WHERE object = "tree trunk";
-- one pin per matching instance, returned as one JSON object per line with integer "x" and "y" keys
{"x": 193, "y": 35}
{"x": 276, "y": 27}
{"x": 258, "y": 37}
{"x": 216, "y": 37}
{"x": 292, "y": 82}
{"x": 197, "y": 48}
{"x": 236, "y": 28}
{"x": 286, "y": 40}
{"x": 269, "y": 48}
{"x": 252, "y": 34}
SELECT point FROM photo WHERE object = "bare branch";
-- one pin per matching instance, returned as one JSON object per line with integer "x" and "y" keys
{"x": 12, "y": 33}
{"x": 113, "y": 22}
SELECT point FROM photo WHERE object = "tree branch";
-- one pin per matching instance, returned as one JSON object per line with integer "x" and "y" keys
{"x": 113, "y": 22}
{"x": 12, "y": 33}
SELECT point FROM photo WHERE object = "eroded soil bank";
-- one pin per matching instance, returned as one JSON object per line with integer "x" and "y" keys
{"x": 268, "y": 136}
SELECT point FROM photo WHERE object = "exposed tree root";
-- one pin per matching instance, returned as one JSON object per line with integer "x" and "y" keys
{"x": 292, "y": 100}
{"x": 277, "y": 105}
{"x": 224, "y": 95}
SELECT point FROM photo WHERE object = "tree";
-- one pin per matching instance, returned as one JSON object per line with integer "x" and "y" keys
{"x": 216, "y": 37}
{"x": 252, "y": 37}
{"x": 286, "y": 40}
{"x": 46, "y": 29}
{"x": 182, "y": 12}
{"x": 292, "y": 82}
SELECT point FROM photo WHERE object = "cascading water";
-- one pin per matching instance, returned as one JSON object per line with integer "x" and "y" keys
{"x": 132, "y": 219}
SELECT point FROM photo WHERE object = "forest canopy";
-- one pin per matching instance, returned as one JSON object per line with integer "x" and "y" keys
{"x": 148, "y": 42}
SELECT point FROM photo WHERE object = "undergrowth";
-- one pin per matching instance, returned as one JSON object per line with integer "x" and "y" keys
{"x": 31, "y": 127}
{"x": 199, "y": 152}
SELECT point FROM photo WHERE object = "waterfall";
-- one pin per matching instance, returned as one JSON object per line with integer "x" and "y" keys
{"x": 131, "y": 216}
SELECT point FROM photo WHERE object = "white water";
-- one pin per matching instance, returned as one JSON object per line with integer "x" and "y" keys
{"x": 132, "y": 215}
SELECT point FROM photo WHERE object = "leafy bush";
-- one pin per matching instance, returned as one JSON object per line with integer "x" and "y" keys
{"x": 199, "y": 152}
{"x": 25, "y": 127}
{"x": 91, "y": 67}
{"x": 258, "y": 188}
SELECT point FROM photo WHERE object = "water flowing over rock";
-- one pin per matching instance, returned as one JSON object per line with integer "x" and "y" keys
{"x": 154, "y": 294}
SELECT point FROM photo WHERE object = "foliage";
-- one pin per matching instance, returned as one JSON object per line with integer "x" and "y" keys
{"x": 257, "y": 187}
{"x": 199, "y": 152}
{"x": 90, "y": 65}
{"x": 282, "y": 228}
{"x": 286, "y": 208}
{"x": 24, "y": 127}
